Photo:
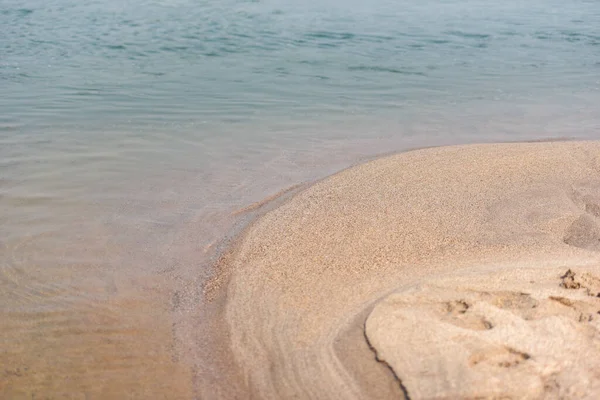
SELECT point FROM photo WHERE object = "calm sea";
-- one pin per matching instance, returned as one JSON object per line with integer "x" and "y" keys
{"x": 132, "y": 132}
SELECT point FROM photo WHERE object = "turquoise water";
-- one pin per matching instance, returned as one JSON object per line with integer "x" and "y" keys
{"x": 131, "y": 132}
{"x": 180, "y": 64}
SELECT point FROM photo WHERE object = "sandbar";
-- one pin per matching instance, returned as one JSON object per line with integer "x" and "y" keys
{"x": 467, "y": 271}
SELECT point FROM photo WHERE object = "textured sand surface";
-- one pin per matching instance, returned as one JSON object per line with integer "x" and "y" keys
{"x": 455, "y": 272}
{"x": 513, "y": 333}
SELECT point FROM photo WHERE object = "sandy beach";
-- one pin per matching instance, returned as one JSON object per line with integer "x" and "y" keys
{"x": 454, "y": 272}
{"x": 254, "y": 199}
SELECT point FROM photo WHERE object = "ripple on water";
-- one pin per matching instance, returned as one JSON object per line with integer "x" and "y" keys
{"x": 20, "y": 12}
{"x": 392, "y": 70}
{"x": 71, "y": 334}
{"x": 468, "y": 35}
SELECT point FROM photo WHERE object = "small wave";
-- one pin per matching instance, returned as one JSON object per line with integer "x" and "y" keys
{"x": 438, "y": 41}
{"x": 330, "y": 35}
{"x": 571, "y": 36}
{"x": 386, "y": 69}
{"x": 543, "y": 36}
{"x": 312, "y": 62}
{"x": 509, "y": 33}
{"x": 568, "y": 36}
{"x": 327, "y": 45}
{"x": 153, "y": 73}
{"x": 130, "y": 23}
{"x": 174, "y": 49}
{"x": 9, "y": 128}
{"x": 467, "y": 35}
{"x": 21, "y": 12}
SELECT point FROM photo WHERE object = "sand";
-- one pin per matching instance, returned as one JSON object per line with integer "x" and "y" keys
{"x": 454, "y": 272}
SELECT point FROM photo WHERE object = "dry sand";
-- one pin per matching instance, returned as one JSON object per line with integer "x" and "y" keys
{"x": 454, "y": 272}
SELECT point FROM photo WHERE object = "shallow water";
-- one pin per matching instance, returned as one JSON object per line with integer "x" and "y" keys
{"x": 131, "y": 133}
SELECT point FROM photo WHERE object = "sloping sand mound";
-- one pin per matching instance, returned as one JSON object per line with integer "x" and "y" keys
{"x": 448, "y": 260}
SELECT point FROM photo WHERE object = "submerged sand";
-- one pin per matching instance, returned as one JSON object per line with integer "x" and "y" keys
{"x": 455, "y": 272}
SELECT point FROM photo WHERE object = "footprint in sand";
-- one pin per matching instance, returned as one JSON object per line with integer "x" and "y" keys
{"x": 464, "y": 339}
{"x": 503, "y": 356}
{"x": 584, "y": 232}
{"x": 588, "y": 198}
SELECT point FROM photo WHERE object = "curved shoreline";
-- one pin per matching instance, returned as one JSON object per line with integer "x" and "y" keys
{"x": 295, "y": 331}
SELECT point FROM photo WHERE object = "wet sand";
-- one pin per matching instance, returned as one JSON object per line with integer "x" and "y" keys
{"x": 454, "y": 272}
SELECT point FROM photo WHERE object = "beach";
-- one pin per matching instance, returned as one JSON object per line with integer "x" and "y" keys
{"x": 217, "y": 200}
{"x": 453, "y": 272}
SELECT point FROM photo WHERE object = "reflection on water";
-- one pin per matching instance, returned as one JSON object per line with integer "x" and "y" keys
{"x": 131, "y": 133}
